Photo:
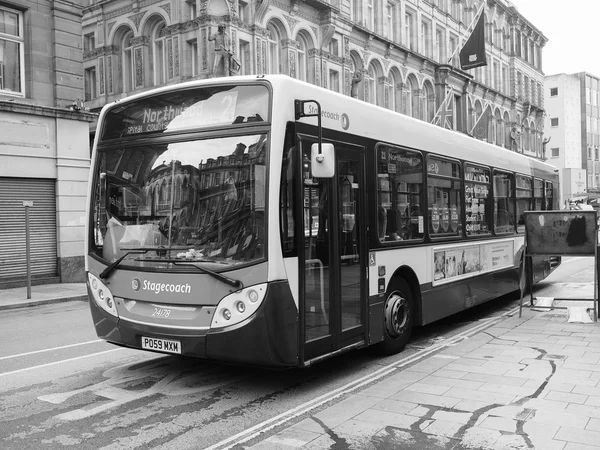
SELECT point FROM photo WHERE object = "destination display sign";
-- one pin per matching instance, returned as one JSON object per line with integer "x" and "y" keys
{"x": 188, "y": 109}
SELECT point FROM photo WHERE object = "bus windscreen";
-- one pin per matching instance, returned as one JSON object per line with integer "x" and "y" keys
{"x": 188, "y": 109}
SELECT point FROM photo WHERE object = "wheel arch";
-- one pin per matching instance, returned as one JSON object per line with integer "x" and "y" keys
{"x": 408, "y": 274}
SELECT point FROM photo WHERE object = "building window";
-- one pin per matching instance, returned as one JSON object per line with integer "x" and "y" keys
{"x": 245, "y": 58}
{"x": 89, "y": 42}
{"x": 439, "y": 45}
{"x": 243, "y": 10}
{"x": 426, "y": 39}
{"x": 453, "y": 50}
{"x": 193, "y": 56}
{"x": 273, "y": 50}
{"x": 334, "y": 80}
{"x": 160, "y": 54}
{"x": 370, "y": 16}
{"x": 334, "y": 47}
{"x": 128, "y": 65}
{"x": 389, "y": 21}
{"x": 555, "y": 152}
{"x": 409, "y": 41}
{"x": 90, "y": 84}
{"x": 302, "y": 66}
{"x": 11, "y": 52}
{"x": 553, "y": 92}
{"x": 554, "y": 122}
{"x": 191, "y": 5}
{"x": 370, "y": 86}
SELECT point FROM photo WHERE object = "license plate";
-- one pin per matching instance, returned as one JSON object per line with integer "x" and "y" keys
{"x": 161, "y": 345}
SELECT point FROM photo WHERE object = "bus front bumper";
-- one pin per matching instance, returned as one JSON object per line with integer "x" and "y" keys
{"x": 268, "y": 338}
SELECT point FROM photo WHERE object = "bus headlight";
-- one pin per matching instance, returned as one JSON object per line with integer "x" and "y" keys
{"x": 102, "y": 295}
{"x": 239, "y": 306}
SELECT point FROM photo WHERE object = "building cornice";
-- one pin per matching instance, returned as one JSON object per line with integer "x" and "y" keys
{"x": 46, "y": 111}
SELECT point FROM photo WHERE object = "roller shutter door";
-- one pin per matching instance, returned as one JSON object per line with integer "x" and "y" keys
{"x": 42, "y": 228}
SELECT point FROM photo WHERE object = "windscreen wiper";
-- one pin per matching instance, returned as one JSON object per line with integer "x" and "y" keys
{"x": 230, "y": 281}
{"x": 135, "y": 251}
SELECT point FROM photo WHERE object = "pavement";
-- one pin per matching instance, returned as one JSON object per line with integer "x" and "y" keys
{"x": 529, "y": 382}
{"x": 41, "y": 295}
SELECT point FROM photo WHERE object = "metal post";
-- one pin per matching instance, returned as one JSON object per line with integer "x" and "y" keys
{"x": 27, "y": 253}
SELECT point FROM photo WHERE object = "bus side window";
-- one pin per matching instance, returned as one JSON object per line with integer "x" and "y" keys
{"x": 504, "y": 207}
{"x": 399, "y": 188}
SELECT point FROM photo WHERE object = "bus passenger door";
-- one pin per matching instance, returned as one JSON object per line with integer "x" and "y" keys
{"x": 333, "y": 267}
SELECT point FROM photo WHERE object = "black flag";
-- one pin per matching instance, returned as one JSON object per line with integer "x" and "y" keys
{"x": 473, "y": 52}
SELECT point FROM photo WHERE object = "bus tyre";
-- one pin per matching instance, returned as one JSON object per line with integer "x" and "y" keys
{"x": 398, "y": 317}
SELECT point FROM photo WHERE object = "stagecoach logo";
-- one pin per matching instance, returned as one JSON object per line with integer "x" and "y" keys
{"x": 157, "y": 288}
{"x": 345, "y": 121}
{"x": 136, "y": 284}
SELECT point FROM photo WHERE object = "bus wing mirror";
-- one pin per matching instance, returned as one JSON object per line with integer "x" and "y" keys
{"x": 323, "y": 161}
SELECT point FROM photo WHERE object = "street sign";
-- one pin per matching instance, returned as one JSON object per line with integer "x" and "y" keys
{"x": 27, "y": 203}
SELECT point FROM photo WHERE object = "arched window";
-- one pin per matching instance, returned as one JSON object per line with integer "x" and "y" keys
{"x": 274, "y": 50}
{"x": 128, "y": 64}
{"x": 159, "y": 54}
{"x": 429, "y": 104}
{"x": 410, "y": 96}
{"x": 371, "y": 87}
{"x": 507, "y": 127}
{"x": 302, "y": 62}
{"x": 392, "y": 104}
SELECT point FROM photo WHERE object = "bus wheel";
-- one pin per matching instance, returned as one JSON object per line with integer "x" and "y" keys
{"x": 398, "y": 315}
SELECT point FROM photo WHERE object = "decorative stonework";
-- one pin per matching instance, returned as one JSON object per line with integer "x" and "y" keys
{"x": 291, "y": 22}
{"x": 137, "y": 19}
{"x": 262, "y": 6}
{"x": 260, "y": 31}
{"x": 404, "y": 72}
{"x": 176, "y": 56}
{"x": 100, "y": 51}
{"x": 140, "y": 40}
{"x": 169, "y": 58}
{"x": 204, "y": 50}
{"x": 325, "y": 77}
{"x": 317, "y": 72}
{"x": 110, "y": 26}
{"x": 292, "y": 62}
{"x": 346, "y": 47}
{"x": 347, "y": 82}
{"x": 167, "y": 8}
{"x": 290, "y": 43}
{"x": 366, "y": 56}
{"x": 258, "y": 65}
{"x": 110, "y": 77}
{"x": 101, "y": 74}
{"x": 139, "y": 67}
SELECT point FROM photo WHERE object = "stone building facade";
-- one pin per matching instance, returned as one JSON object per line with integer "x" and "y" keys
{"x": 403, "y": 55}
{"x": 44, "y": 142}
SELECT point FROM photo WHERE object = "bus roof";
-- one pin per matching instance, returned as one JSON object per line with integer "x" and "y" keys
{"x": 346, "y": 114}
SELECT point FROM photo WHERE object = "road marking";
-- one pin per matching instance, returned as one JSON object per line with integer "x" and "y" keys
{"x": 348, "y": 388}
{"x": 59, "y": 362}
{"x": 50, "y": 349}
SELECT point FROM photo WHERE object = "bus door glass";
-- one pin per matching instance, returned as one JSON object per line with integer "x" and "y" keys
{"x": 334, "y": 283}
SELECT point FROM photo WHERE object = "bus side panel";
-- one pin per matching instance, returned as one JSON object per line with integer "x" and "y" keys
{"x": 447, "y": 299}
{"x": 270, "y": 338}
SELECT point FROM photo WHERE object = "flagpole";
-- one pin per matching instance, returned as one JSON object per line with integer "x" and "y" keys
{"x": 473, "y": 22}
